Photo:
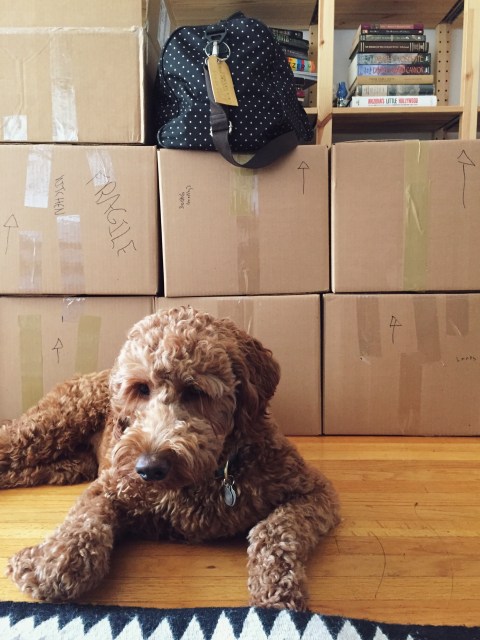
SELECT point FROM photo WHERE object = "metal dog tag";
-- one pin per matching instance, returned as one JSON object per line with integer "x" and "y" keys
{"x": 229, "y": 494}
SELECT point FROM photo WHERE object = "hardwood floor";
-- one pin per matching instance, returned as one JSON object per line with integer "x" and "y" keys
{"x": 408, "y": 548}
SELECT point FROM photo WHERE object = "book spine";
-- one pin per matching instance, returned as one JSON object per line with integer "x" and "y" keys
{"x": 379, "y": 25}
{"x": 420, "y": 79}
{"x": 287, "y": 33}
{"x": 294, "y": 53}
{"x": 392, "y": 69}
{"x": 406, "y": 37}
{"x": 298, "y": 64}
{"x": 296, "y": 43}
{"x": 394, "y": 89}
{"x": 393, "y": 101}
{"x": 393, "y": 58}
{"x": 386, "y": 47}
{"x": 392, "y": 32}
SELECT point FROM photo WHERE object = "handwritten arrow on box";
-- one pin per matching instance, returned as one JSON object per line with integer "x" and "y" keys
{"x": 465, "y": 161}
{"x": 57, "y": 347}
{"x": 10, "y": 224}
{"x": 303, "y": 167}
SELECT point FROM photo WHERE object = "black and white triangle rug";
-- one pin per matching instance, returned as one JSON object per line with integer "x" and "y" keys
{"x": 30, "y": 621}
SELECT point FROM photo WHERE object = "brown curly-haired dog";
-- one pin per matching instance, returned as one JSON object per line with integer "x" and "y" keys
{"x": 184, "y": 447}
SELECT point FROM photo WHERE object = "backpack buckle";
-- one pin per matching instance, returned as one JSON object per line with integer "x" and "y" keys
{"x": 215, "y": 32}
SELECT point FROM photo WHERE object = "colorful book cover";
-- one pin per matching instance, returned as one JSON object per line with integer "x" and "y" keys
{"x": 413, "y": 79}
{"x": 407, "y": 57}
{"x": 394, "y": 89}
{"x": 297, "y": 64}
{"x": 393, "y": 101}
{"x": 391, "y": 69}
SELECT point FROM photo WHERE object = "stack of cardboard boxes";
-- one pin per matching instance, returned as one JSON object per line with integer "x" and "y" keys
{"x": 405, "y": 220}
{"x": 254, "y": 246}
{"x": 80, "y": 236}
{"x": 79, "y": 211}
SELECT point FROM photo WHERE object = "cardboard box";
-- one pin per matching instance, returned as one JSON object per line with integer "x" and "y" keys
{"x": 46, "y": 340}
{"x": 77, "y": 219}
{"x": 405, "y": 216}
{"x": 290, "y": 327}
{"x": 402, "y": 364}
{"x": 235, "y": 231}
{"x": 73, "y": 13}
{"x": 72, "y": 85}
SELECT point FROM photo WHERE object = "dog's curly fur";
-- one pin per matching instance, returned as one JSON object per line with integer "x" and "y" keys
{"x": 187, "y": 395}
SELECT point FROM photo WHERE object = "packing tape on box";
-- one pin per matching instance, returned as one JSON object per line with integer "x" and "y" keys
{"x": 64, "y": 104}
{"x": 88, "y": 341}
{"x": 457, "y": 309}
{"x": 427, "y": 331}
{"x": 15, "y": 128}
{"x": 73, "y": 309}
{"x": 244, "y": 205}
{"x": 71, "y": 253}
{"x": 240, "y": 310}
{"x": 101, "y": 167}
{"x": 31, "y": 358}
{"x": 410, "y": 393}
{"x": 368, "y": 326}
{"x": 427, "y": 327}
{"x": 416, "y": 202}
{"x": 38, "y": 173}
{"x": 30, "y": 261}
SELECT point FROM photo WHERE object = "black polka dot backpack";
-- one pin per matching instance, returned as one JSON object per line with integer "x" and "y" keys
{"x": 228, "y": 87}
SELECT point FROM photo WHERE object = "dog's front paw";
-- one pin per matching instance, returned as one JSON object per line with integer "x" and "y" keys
{"x": 27, "y": 569}
{"x": 277, "y": 593}
{"x": 276, "y": 570}
{"x": 54, "y": 572}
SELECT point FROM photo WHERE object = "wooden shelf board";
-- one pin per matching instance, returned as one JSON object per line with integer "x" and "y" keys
{"x": 350, "y": 13}
{"x": 293, "y": 15}
{"x": 393, "y": 119}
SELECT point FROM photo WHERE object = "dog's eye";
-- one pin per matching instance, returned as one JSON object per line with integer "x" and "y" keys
{"x": 192, "y": 392}
{"x": 142, "y": 389}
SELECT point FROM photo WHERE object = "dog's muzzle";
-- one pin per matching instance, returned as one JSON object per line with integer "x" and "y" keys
{"x": 153, "y": 467}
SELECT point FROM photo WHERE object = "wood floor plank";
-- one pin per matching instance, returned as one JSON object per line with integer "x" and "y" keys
{"x": 407, "y": 549}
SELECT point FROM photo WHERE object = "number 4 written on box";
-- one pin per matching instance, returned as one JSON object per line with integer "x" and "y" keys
{"x": 394, "y": 323}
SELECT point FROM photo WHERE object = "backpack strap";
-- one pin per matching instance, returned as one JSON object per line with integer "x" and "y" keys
{"x": 220, "y": 127}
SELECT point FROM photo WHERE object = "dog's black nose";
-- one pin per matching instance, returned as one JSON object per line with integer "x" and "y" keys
{"x": 152, "y": 467}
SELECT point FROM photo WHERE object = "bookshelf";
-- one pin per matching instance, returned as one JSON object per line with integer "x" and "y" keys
{"x": 325, "y": 16}
{"x": 348, "y": 14}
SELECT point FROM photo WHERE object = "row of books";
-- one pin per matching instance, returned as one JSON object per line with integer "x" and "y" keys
{"x": 390, "y": 65}
{"x": 295, "y": 47}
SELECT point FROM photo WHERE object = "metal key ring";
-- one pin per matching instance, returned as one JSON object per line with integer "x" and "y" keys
{"x": 213, "y": 43}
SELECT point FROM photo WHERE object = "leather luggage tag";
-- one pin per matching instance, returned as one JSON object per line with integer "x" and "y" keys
{"x": 221, "y": 80}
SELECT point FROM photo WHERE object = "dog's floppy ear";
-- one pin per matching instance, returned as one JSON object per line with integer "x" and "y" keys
{"x": 257, "y": 371}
